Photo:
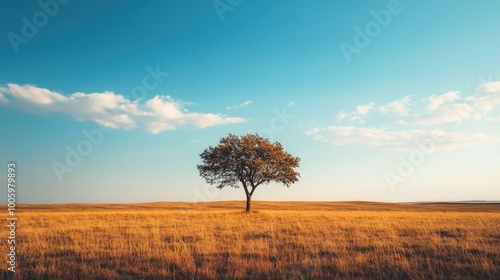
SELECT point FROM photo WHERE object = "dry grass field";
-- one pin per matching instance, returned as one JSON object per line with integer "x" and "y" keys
{"x": 281, "y": 240}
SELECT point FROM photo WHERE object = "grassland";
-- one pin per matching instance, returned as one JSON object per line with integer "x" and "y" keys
{"x": 287, "y": 240}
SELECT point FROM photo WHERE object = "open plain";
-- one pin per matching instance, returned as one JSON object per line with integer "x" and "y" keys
{"x": 279, "y": 240}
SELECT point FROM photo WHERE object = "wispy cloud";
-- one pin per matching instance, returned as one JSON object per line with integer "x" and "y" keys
{"x": 490, "y": 87}
{"x": 365, "y": 109}
{"x": 2, "y": 99}
{"x": 449, "y": 108}
{"x": 436, "y": 101}
{"x": 436, "y": 109}
{"x": 110, "y": 109}
{"x": 399, "y": 107}
{"x": 405, "y": 140}
{"x": 244, "y": 104}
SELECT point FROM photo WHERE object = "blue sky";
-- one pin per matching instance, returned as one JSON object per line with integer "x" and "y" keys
{"x": 382, "y": 100}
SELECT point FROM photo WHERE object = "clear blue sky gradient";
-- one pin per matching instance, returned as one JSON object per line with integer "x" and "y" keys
{"x": 272, "y": 67}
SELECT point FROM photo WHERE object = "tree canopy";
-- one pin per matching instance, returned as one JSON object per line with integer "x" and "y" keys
{"x": 249, "y": 160}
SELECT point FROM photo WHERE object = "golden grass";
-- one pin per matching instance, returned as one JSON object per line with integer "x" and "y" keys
{"x": 283, "y": 240}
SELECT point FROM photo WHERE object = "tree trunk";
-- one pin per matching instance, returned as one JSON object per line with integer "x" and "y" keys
{"x": 249, "y": 201}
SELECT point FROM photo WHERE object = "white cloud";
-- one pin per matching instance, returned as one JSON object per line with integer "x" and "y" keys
{"x": 244, "y": 104}
{"x": 490, "y": 87}
{"x": 437, "y": 100}
{"x": 353, "y": 117}
{"x": 404, "y": 140}
{"x": 313, "y": 131}
{"x": 33, "y": 94}
{"x": 448, "y": 110}
{"x": 365, "y": 109}
{"x": 341, "y": 115}
{"x": 356, "y": 118}
{"x": 111, "y": 110}
{"x": 484, "y": 104}
{"x": 2, "y": 99}
{"x": 477, "y": 108}
{"x": 398, "y": 107}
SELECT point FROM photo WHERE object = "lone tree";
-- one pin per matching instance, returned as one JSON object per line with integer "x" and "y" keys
{"x": 249, "y": 160}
